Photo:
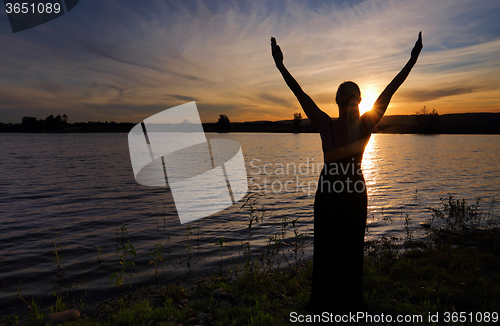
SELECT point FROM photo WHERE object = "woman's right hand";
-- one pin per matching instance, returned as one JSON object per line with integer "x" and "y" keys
{"x": 418, "y": 47}
{"x": 276, "y": 51}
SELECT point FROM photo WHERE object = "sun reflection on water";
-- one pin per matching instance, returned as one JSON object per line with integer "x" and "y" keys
{"x": 370, "y": 162}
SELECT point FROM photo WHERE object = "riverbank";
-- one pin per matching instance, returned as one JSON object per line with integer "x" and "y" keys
{"x": 458, "y": 271}
{"x": 459, "y": 123}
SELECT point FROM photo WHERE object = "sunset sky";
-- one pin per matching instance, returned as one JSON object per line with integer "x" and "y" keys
{"x": 119, "y": 60}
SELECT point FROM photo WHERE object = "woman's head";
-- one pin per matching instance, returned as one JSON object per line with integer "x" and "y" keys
{"x": 348, "y": 98}
{"x": 347, "y": 91}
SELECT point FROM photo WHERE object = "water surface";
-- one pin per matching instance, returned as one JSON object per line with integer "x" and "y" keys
{"x": 82, "y": 186}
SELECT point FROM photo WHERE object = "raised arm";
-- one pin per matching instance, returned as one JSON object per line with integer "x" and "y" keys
{"x": 372, "y": 117}
{"x": 318, "y": 118}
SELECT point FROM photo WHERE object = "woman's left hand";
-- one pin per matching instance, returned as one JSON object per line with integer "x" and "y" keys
{"x": 418, "y": 46}
{"x": 276, "y": 51}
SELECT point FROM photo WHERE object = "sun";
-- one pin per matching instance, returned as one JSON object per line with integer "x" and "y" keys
{"x": 368, "y": 97}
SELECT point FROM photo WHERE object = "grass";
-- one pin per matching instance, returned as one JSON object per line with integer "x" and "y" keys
{"x": 35, "y": 313}
{"x": 458, "y": 272}
{"x": 60, "y": 303}
{"x": 458, "y": 214}
{"x": 122, "y": 254}
{"x": 57, "y": 246}
{"x": 156, "y": 255}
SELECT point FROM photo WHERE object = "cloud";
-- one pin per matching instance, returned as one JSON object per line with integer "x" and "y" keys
{"x": 101, "y": 51}
{"x": 275, "y": 100}
{"x": 183, "y": 98}
{"x": 427, "y": 95}
{"x": 134, "y": 54}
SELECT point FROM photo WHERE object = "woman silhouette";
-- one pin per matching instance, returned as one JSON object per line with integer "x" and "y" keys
{"x": 340, "y": 205}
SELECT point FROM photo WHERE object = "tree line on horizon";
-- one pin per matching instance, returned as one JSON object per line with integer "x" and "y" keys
{"x": 426, "y": 122}
{"x": 51, "y": 123}
{"x": 423, "y": 121}
{"x": 60, "y": 123}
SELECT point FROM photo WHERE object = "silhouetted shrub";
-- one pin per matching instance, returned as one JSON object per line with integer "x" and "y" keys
{"x": 297, "y": 118}
{"x": 427, "y": 122}
{"x": 223, "y": 124}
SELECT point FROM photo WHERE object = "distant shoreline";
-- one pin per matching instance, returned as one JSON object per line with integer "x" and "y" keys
{"x": 459, "y": 123}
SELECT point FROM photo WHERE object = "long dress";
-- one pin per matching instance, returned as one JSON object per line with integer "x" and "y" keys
{"x": 340, "y": 211}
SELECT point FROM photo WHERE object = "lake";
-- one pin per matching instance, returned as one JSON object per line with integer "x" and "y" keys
{"x": 77, "y": 190}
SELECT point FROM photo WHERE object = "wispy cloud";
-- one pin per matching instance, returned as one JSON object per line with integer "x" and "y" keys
{"x": 427, "y": 95}
{"x": 183, "y": 98}
{"x": 103, "y": 56}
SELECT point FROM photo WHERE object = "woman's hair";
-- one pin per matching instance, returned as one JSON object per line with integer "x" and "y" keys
{"x": 348, "y": 98}
{"x": 347, "y": 90}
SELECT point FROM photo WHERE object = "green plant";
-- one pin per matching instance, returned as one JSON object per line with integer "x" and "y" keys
{"x": 284, "y": 224}
{"x": 173, "y": 291}
{"x": 297, "y": 246}
{"x": 457, "y": 213}
{"x": 156, "y": 254}
{"x": 256, "y": 214}
{"x": 36, "y": 315}
{"x": 409, "y": 234}
{"x": 123, "y": 230}
{"x": 274, "y": 244}
{"x": 56, "y": 247}
{"x": 126, "y": 250}
{"x": 60, "y": 304}
{"x": 139, "y": 313}
{"x": 492, "y": 218}
{"x": 12, "y": 320}
{"x": 386, "y": 217}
